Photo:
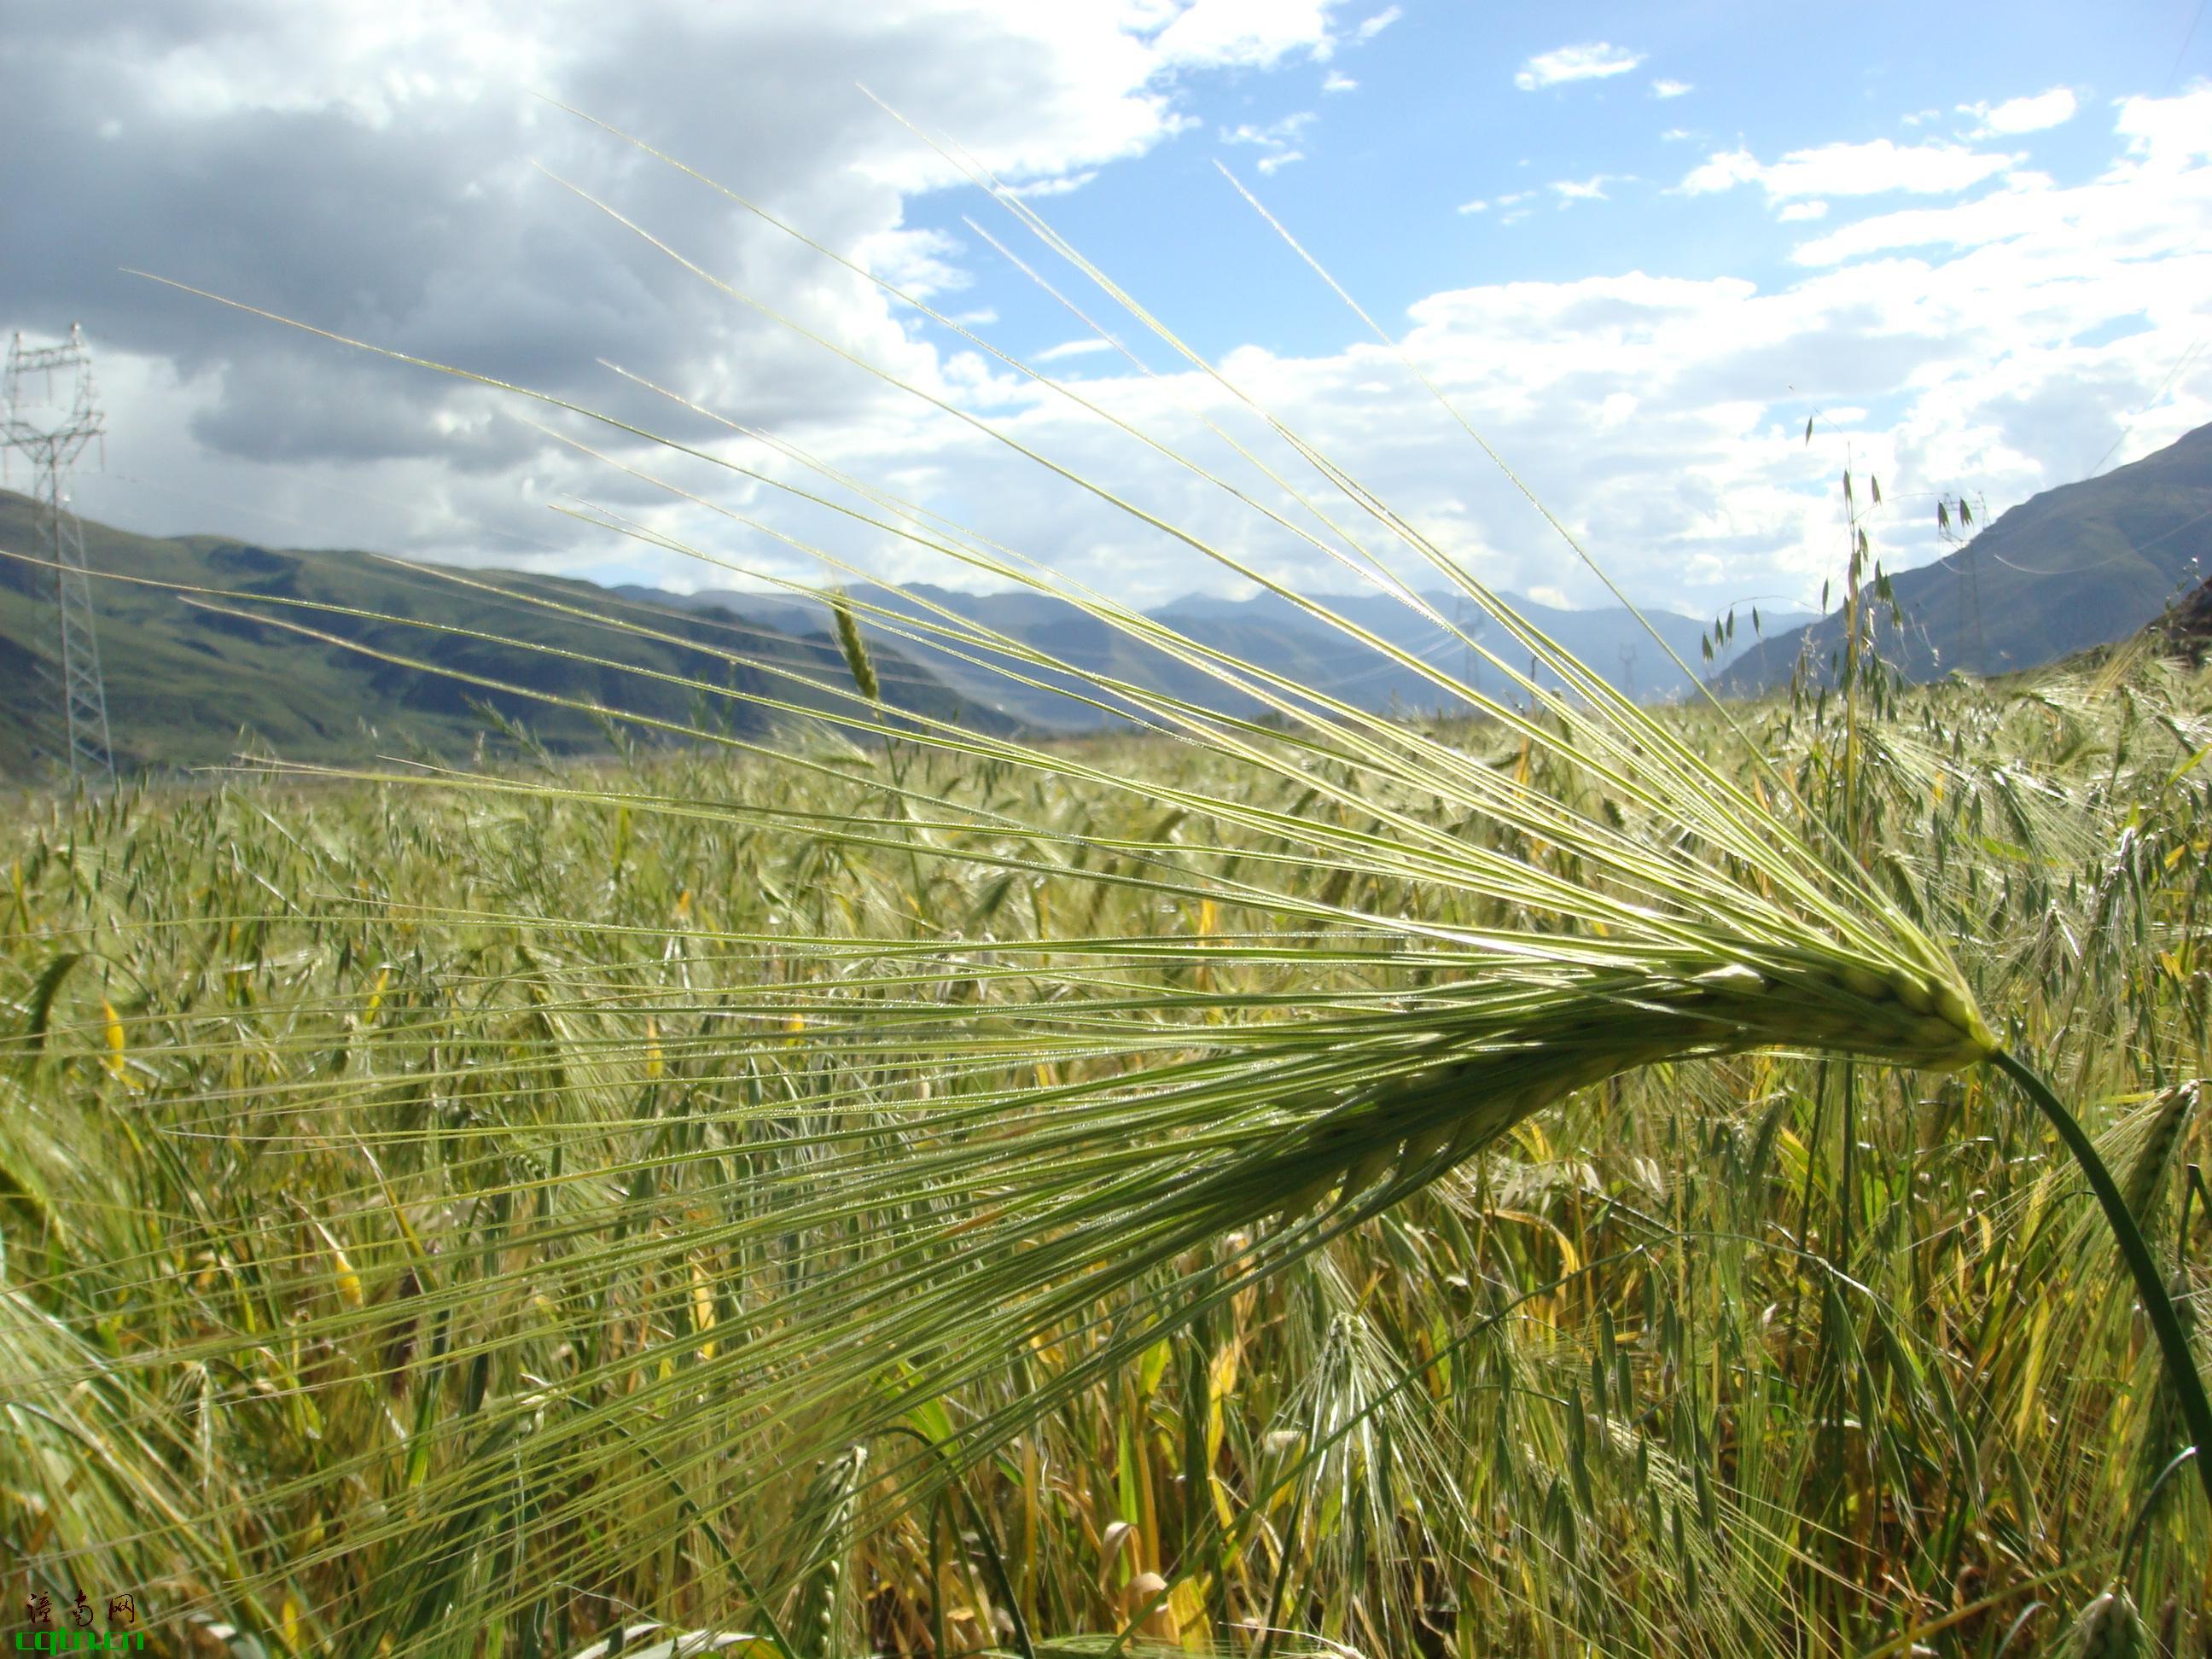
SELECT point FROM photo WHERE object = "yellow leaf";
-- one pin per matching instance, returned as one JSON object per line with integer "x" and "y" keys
{"x": 1224, "y": 1380}
{"x": 115, "y": 1047}
{"x": 349, "y": 1282}
{"x": 653, "y": 1067}
{"x": 702, "y": 1308}
{"x": 1187, "y": 1604}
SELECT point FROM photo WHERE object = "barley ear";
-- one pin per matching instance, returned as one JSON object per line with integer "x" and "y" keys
{"x": 826, "y": 1604}
{"x": 2109, "y": 1628}
{"x": 857, "y": 662}
{"x": 2146, "y": 1181}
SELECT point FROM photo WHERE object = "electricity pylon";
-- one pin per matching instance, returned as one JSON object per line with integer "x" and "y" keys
{"x": 53, "y": 435}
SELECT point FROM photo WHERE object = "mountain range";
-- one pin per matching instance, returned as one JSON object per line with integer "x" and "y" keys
{"x": 331, "y": 657}
{"x": 381, "y": 656}
{"x": 1265, "y": 629}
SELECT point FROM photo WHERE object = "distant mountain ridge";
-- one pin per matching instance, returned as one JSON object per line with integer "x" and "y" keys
{"x": 2081, "y": 565}
{"x": 1266, "y": 630}
{"x": 185, "y": 677}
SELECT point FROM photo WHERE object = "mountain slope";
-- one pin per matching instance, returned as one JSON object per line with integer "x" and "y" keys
{"x": 183, "y": 680}
{"x": 1265, "y": 631}
{"x": 2081, "y": 565}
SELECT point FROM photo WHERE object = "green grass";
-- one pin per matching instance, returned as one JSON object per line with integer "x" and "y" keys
{"x": 1749, "y": 1354}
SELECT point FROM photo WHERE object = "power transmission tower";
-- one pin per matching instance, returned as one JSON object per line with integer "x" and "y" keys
{"x": 1627, "y": 687}
{"x": 53, "y": 435}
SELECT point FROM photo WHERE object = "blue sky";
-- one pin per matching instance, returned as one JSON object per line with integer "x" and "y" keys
{"x": 1433, "y": 120}
{"x": 1637, "y": 247}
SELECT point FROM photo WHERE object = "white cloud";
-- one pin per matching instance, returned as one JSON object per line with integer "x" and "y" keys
{"x": 919, "y": 261}
{"x": 1068, "y": 348}
{"x": 1675, "y": 135}
{"x": 1369, "y": 27}
{"x": 1800, "y": 211}
{"x": 2168, "y": 135}
{"x": 1054, "y": 184}
{"x": 1592, "y": 60}
{"x": 1338, "y": 82}
{"x": 2046, "y": 109}
{"x": 1864, "y": 169}
{"x": 1723, "y": 170}
{"x": 1274, "y": 136}
{"x": 1960, "y": 363}
{"x": 1591, "y": 189}
{"x": 1670, "y": 88}
{"x": 1475, "y": 206}
{"x": 1278, "y": 139}
{"x": 1992, "y": 218}
{"x": 2167, "y": 143}
{"x": 1246, "y": 34}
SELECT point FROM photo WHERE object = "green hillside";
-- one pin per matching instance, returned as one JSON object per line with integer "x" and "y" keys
{"x": 2081, "y": 565}
{"x": 185, "y": 681}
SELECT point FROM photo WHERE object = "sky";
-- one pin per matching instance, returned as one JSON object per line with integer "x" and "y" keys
{"x": 1635, "y": 249}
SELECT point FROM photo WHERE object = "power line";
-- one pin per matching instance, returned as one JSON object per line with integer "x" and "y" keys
{"x": 2174, "y": 74}
{"x": 53, "y": 436}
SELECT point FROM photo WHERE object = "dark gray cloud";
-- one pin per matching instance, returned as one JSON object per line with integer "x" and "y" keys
{"x": 314, "y": 162}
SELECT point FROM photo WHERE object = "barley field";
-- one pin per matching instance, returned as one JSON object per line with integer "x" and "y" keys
{"x": 921, "y": 1198}
{"x": 825, "y": 1178}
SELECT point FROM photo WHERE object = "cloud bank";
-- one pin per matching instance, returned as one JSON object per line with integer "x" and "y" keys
{"x": 1964, "y": 318}
{"x": 1594, "y": 60}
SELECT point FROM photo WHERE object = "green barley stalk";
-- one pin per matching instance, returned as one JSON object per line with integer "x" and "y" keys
{"x": 857, "y": 662}
{"x": 1090, "y": 1155}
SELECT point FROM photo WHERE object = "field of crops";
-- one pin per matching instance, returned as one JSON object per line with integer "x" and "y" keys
{"x": 786, "y": 1196}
